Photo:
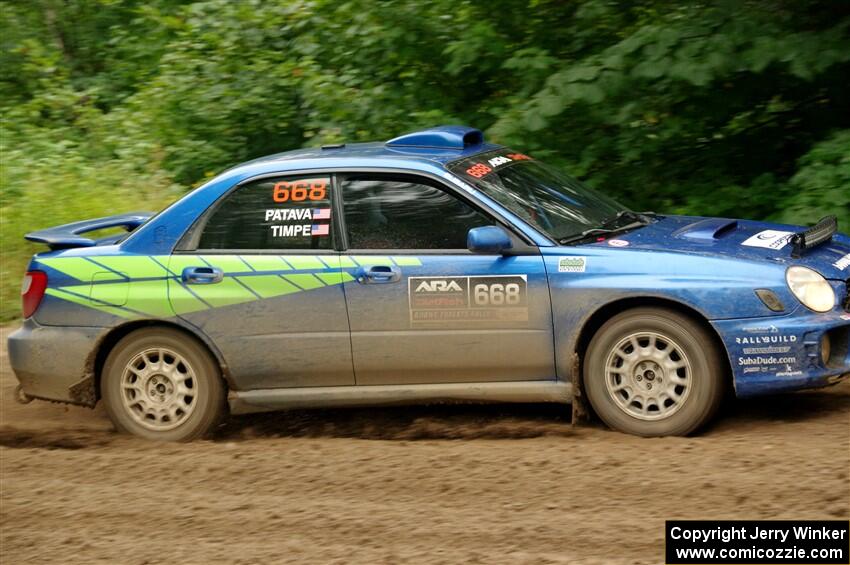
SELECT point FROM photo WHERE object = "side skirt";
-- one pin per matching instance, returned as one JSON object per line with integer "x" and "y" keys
{"x": 244, "y": 402}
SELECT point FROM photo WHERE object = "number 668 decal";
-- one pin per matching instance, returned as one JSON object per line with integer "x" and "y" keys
{"x": 298, "y": 191}
{"x": 495, "y": 292}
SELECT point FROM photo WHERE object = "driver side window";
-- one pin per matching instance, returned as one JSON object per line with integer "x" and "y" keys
{"x": 398, "y": 212}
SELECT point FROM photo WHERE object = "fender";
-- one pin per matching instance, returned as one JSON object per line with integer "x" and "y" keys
{"x": 114, "y": 334}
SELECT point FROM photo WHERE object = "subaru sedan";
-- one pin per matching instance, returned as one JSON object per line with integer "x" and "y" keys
{"x": 434, "y": 267}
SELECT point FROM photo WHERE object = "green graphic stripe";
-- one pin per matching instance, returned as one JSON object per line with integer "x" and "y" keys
{"x": 372, "y": 260}
{"x": 150, "y": 297}
{"x": 262, "y": 263}
{"x": 114, "y": 294}
{"x": 223, "y": 293}
{"x": 177, "y": 263}
{"x": 227, "y": 263}
{"x": 81, "y": 289}
{"x": 137, "y": 286}
{"x": 268, "y": 286}
{"x": 407, "y": 261}
{"x": 335, "y": 278}
{"x": 305, "y": 262}
{"x": 134, "y": 267}
{"x": 79, "y": 268}
{"x": 183, "y": 301}
{"x": 141, "y": 266}
{"x": 306, "y": 282}
{"x": 369, "y": 260}
{"x": 83, "y": 301}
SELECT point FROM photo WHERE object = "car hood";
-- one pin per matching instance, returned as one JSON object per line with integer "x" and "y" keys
{"x": 737, "y": 239}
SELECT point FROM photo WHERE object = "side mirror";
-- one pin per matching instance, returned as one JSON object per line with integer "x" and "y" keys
{"x": 488, "y": 239}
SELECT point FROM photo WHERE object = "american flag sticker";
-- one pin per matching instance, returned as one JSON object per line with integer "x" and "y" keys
{"x": 321, "y": 213}
{"x": 319, "y": 229}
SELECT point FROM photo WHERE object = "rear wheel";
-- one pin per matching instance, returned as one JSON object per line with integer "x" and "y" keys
{"x": 653, "y": 372}
{"x": 161, "y": 384}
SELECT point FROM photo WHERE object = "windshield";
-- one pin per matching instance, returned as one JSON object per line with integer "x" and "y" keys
{"x": 554, "y": 203}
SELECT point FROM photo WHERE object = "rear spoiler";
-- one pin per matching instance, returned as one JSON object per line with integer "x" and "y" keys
{"x": 819, "y": 233}
{"x": 70, "y": 235}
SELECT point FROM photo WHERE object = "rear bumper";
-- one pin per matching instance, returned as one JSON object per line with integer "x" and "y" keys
{"x": 55, "y": 363}
{"x": 786, "y": 352}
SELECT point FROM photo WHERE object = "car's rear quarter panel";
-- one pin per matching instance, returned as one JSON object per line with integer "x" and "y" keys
{"x": 55, "y": 362}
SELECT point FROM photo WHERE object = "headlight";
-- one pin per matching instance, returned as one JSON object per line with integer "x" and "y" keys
{"x": 811, "y": 289}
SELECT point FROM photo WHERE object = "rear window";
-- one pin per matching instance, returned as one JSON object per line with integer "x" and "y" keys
{"x": 273, "y": 213}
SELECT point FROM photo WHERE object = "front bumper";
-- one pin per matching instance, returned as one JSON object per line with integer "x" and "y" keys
{"x": 785, "y": 353}
{"x": 55, "y": 363}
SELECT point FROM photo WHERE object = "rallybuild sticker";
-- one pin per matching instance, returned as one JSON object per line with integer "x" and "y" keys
{"x": 771, "y": 339}
{"x": 496, "y": 298}
{"x": 763, "y": 353}
{"x": 572, "y": 264}
{"x": 769, "y": 239}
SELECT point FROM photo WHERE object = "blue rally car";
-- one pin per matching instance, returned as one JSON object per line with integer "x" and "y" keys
{"x": 434, "y": 267}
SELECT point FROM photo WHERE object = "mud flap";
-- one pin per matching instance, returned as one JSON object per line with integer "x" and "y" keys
{"x": 581, "y": 412}
{"x": 83, "y": 392}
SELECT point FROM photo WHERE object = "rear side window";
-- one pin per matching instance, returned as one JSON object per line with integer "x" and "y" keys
{"x": 388, "y": 212}
{"x": 273, "y": 213}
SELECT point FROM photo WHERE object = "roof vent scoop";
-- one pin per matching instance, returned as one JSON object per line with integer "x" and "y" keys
{"x": 441, "y": 137}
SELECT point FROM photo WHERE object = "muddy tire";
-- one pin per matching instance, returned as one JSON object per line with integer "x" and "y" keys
{"x": 654, "y": 372}
{"x": 161, "y": 384}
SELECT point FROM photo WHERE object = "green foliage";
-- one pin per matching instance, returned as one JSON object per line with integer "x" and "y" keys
{"x": 821, "y": 185}
{"x": 715, "y": 108}
{"x": 46, "y": 184}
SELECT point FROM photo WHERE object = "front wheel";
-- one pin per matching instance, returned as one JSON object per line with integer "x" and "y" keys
{"x": 161, "y": 384}
{"x": 653, "y": 372}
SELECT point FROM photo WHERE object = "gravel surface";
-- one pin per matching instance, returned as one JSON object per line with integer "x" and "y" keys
{"x": 443, "y": 484}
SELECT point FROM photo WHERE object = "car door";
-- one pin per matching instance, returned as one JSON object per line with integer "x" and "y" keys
{"x": 259, "y": 275}
{"x": 424, "y": 309}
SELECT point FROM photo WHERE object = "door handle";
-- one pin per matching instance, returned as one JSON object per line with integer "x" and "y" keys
{"x": 202, "y": 275}
{"x": 378, "y": 274}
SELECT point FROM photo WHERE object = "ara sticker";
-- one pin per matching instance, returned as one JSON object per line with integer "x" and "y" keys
{"x": 572, "y": 264}
{"x": 769, "y": 239}
{"x": 618, "y": 243}
{"x": 451, "y": 300}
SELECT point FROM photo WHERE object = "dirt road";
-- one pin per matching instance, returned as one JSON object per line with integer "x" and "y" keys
{"x": 425, "y": 485}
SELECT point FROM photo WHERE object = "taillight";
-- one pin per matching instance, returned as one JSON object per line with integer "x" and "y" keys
{"x": 32, "y": 291}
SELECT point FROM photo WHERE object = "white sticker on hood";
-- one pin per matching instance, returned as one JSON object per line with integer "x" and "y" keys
{"x": 842, "y": 263}
{"x": 769, "y": 239}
